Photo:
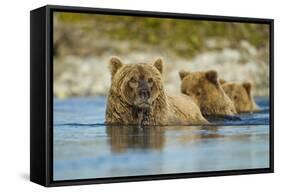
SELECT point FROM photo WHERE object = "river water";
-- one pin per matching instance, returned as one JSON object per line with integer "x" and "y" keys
{"x": 85, "y": 148}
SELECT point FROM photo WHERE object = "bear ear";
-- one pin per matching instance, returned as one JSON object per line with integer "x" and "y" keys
{"x": 222, "y": 81}
{"x": 114, "y": 64}
{"x": 248, "y": 87}
{"x": 159, "y": 64}
{"x": 212, "y": 76}
{"x": 183, "y": 74}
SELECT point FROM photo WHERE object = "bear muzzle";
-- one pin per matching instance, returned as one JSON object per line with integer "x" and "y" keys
{"x": 143, "y": 97}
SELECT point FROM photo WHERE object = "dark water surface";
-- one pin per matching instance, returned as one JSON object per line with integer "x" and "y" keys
{"x": 85, "y": 148}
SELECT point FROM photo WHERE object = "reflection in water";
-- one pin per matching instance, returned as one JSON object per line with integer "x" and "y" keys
{"x": 197, "y": 133}
{"x": 122, "y": 138}
{"x": 113, "y": 151}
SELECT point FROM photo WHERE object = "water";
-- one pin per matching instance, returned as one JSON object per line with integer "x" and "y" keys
{"x": 85, "y": 148}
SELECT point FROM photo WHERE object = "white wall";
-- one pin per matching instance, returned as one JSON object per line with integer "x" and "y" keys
{"x": 14, "y": 86}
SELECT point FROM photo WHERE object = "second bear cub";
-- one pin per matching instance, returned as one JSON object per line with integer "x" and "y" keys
{"x": 207, "y": 92}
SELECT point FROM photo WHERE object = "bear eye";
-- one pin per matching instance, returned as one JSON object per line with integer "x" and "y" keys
{"x": 133, "y": 80}
{"x": 150, "y": 80}
{"x": 198, "y": 93}
{"x": 235, "y": 97}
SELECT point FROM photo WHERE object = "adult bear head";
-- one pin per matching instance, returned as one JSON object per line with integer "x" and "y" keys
{"x": 136, "y": 89}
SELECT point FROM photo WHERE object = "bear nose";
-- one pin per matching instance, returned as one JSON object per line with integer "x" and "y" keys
{"x": 144, "y": 94}
{"x": 144, "y": 90}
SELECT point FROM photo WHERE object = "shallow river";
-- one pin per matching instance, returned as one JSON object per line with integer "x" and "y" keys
{"x": 85, "y": 148}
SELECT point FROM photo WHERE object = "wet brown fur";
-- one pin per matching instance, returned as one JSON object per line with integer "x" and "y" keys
{"x": 207, "y": 92}
{"x": 165, "y": 109}
{"x": 241, "y": 95}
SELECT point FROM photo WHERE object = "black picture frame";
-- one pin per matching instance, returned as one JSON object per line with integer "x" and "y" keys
{"x": 41, "y": 94}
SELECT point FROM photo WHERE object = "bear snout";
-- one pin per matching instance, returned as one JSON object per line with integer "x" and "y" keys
{"x": 144, "y": 94}
{"x": 144, "y": 90}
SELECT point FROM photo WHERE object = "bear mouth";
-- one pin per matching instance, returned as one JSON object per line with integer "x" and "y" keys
{"x": 144, "y": 105}
{"x": 143, "y": 117}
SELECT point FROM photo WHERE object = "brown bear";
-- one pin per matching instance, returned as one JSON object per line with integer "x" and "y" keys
{"x": 205, "y": 89}
{"x": 137, "y": 97}
{"x": 241, "y": 95}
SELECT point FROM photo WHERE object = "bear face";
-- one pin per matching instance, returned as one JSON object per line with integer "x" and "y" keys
{"x": 207, "y": 92}
{"x": 241, "y": 95}
{"x": 138, "y": 84}
{"x": 135, "y": 91}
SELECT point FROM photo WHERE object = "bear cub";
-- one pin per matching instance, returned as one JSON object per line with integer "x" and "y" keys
{"x": 241, "y": 95}
{"x": 205, "y": 89}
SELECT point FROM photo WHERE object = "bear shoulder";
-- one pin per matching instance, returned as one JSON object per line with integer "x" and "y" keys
{"x": 182, "y": 108}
